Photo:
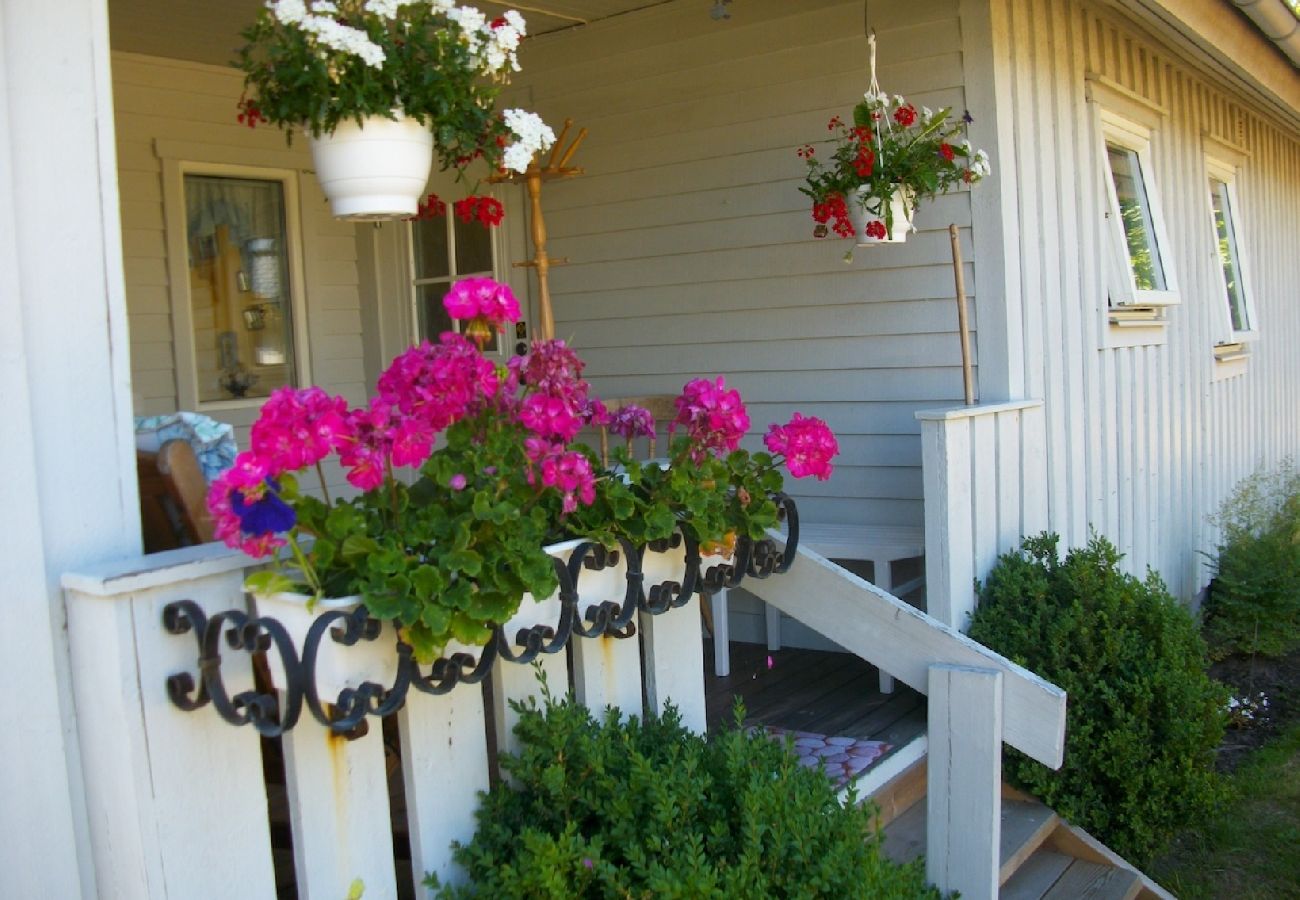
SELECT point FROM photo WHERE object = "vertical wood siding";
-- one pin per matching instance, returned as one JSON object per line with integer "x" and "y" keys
{"x": 170, "y": 100}
{"x": 1144, "y": 442}
{"x": 692, "y": 247}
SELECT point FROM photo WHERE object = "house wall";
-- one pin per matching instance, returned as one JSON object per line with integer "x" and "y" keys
{"x": 1143, "y": 442}
{"x": 691, "y": 247}
{"x": 170, "y": 107}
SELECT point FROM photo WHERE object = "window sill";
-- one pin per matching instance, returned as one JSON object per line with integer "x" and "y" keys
{"x": 1135, "y": 327}
{"x": 1230, "y": 360}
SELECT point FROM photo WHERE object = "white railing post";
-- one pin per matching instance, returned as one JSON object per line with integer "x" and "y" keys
{"x": 964, "y": 794}
{"x": 172, "y": 797}
{"x": 984, "y": 475}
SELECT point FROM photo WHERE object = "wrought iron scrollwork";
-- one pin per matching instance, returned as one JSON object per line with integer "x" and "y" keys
{"x": 275, "y": 710}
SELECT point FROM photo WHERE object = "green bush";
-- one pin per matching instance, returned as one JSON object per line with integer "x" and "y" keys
{"x": 1143, "y": 717}
{"x": 629, "y": 808}
{"x": 1254, "y": 602}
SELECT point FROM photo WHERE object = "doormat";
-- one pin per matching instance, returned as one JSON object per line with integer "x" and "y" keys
{"x": 842, "y": 758}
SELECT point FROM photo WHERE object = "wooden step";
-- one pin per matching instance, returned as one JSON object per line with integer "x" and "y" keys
{"x": 1025, "y": 825}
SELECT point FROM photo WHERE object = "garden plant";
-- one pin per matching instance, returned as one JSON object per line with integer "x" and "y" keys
{"x": 1143, "y": 718}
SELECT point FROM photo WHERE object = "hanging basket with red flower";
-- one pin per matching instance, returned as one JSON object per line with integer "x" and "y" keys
{"x": 866, "y": 181}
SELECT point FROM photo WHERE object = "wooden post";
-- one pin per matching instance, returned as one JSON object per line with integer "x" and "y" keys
{"x": 557, "y": 166}
{"x": 964, "y": 796}
{"x": 968, "y": 383}
{"x": 541, "y": 260}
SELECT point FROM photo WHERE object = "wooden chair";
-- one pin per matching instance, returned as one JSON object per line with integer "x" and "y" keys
{"x": 173, "y": 498}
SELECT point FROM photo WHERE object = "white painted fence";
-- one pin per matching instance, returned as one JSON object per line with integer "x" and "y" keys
{"x": 985, "y": 481}
{"x": 978, "y": 700}
{"x": 176, "y": 799}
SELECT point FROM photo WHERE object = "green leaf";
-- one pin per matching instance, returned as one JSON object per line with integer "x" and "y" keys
{"x": 466, "y": 561}
{"x": 269, "y": 581}
{"x": 357, "y": 547}
{"x": 428, "y": 582}
{"x": 467, "y": 631}
{"x": 436, "y": 618}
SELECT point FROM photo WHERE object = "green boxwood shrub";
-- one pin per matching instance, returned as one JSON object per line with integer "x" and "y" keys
{"x": 630, "y": 808}
{"x": 1254, "y": 601}
{"x": 1143, "y": 717}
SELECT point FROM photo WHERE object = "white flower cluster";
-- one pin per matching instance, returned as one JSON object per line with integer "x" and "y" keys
{"x": 317, "y": 19}
{"x": 494, "y": 44}
{"x": 979, "y": 160}
{"x": 532, "y": 136}
{"x": 878, "y": 101}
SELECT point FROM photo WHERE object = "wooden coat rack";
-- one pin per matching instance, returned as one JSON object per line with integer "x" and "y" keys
{"x": 557, "y": 167}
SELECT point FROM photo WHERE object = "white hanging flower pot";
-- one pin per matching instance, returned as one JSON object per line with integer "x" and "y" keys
{"x": 376, "y": 170}
{"x": 892, "y": 229}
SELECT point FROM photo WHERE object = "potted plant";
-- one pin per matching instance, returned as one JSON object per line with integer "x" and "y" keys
{"x": 450, "y": 553}
{"x": 377, "y": 84}
{"x": 878, "y": 169}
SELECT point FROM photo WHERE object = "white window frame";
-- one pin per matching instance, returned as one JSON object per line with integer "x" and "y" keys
{"x": 1125, "y": 119}
{"x": 174, "y": 172}
{"x": 505, "y": 342}
{"x": 1225, "y": 170}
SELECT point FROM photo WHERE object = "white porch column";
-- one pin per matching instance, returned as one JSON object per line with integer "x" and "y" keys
{"x": 69, "y": 488}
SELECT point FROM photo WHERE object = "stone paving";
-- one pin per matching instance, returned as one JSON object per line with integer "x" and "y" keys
{"x": 842, "y": 758}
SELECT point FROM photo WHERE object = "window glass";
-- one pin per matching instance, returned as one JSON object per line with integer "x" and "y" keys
{"x": 1228, "y": 255}
{"x": 1135, "y": 215}
{"x": 239, "y": 286}
{"x": 429, "y": 241}
{"x": 444, "y": 250}
{"x": 433, "y": 318}
{"x": 473, "y": 248}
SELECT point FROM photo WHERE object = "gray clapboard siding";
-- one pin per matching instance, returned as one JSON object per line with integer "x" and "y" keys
{"x": 158, "y": 99}
{"x": 1143, "y": 442}
{"x": 691, "y": 246}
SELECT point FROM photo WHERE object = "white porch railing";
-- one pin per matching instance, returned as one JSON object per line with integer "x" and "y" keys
{"x": 977, "y": 701}
{"x": 176, "y": 798}
{"x": 985, "y": 481}
{"x": 177, "y": 801}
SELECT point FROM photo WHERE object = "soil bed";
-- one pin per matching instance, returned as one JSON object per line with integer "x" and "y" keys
{"x": 1279, "y": 679}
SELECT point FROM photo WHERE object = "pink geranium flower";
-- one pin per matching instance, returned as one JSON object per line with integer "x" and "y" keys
{"x": 485, "y": 298}
{"x": 807, "y": 444}
{"x": 438, "y": 384}
{"x": 712, "y": 416}
{"x": 633, "y": 422}
{"x": 298, "y": 428}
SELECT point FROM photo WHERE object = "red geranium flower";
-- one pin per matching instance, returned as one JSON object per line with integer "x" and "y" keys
{"x": 876, "y": 229}
{"x": 945, "y": 150}
{"x": 905, "y": 115}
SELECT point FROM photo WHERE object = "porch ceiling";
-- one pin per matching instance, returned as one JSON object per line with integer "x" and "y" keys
{"x": 207, "y": 32}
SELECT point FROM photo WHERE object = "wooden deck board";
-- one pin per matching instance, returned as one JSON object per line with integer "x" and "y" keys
{"x": 812, "y": 690}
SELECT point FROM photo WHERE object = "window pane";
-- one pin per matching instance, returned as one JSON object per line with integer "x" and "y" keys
{"x": 473, "y": 248}
{"x": 239, "y": 286}
{"x": 1227, "y": 235}
{"x": 433, "y": 317}
{"x": 1135, "y": 213}
{"x": 429, "y": 237}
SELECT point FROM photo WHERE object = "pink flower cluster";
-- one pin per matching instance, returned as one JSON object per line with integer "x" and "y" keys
{"x": 714, "y": 418}
{"x": 556, "y": 406}
{"x": 299, "y": 428}
{"x": 570, "y": 473}
{"x": 473, "y": 298}
{"x": 807, "y": 444}
{"x": 632, "y": 422}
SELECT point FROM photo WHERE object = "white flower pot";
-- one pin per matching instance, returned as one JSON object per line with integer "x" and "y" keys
{"x": 337, "y": 666}
{"x": 374, "y": 171}
{"x": 900, "y": 206}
